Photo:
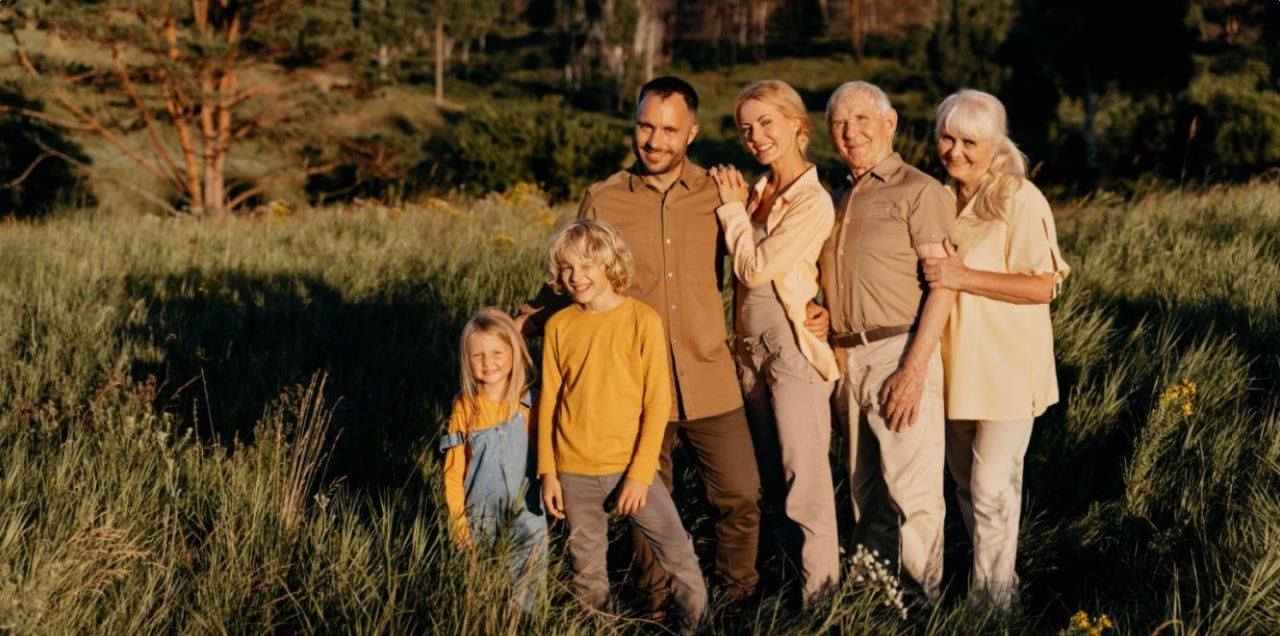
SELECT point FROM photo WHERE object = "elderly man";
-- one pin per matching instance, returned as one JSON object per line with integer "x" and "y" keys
{"x": 664, "y": 207}
{"x": 885, "y": 328}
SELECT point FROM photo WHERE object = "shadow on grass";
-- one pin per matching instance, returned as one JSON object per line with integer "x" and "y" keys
{"x": 226, "y": 344}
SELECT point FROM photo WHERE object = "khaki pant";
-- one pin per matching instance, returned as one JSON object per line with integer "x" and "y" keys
{"x": 585, "y": 508}
{"x": 789, "y": 409}
{"x": 985, "y": 458}
{"x": 895, "y": 478}
{"x": 721, "y": 446}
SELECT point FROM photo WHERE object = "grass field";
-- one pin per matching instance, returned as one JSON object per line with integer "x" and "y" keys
{"x": 170, "y": 459}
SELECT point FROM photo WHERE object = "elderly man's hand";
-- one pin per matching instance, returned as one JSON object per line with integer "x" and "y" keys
{"x": 900, "y": 397}
{"x": 817, "y": 320}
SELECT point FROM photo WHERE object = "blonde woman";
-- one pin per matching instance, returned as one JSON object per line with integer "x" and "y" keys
{"x": 775, "y": 231}
{"x": 998, "y": 344}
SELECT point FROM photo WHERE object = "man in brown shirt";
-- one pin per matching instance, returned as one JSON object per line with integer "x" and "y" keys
{"x": 886, "y": 328}
{"x": 664, "y": 207}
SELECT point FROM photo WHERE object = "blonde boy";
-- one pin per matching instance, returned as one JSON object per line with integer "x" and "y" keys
{"x": 606, "y": 396}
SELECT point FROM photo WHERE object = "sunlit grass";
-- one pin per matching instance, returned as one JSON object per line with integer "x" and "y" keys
{"x": 171, "y": 462}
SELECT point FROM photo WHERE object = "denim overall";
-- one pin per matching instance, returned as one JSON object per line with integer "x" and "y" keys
{"x": 504, "y": 498}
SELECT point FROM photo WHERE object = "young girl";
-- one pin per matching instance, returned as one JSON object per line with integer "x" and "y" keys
{"x": 490, "y": 485}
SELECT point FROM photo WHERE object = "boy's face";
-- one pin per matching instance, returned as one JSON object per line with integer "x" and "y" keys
{"x": 587, "y": 283}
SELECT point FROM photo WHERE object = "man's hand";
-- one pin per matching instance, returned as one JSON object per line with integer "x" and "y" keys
{"x": 552, "y": 496}
{"x": 900, "y": 397}
{"x": 632, "y": 496}
{"x": 523, "y": 325}
{"x": 817, "y": 320}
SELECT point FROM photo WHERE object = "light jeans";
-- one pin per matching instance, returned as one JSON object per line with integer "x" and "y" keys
{"x": 985, "y": 458}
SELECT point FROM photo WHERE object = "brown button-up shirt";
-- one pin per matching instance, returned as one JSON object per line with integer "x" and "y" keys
{"x": 869, "y": 267}
{"x": 676, "y": 243}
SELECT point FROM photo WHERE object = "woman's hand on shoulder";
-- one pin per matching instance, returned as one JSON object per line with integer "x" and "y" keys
{"x": 730, "y": 184}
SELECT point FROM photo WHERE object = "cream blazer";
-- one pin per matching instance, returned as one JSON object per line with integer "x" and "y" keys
{"x": 787, "y": 258}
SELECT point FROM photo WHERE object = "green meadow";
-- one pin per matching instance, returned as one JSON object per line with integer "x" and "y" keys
{"x": 230, "y": 427}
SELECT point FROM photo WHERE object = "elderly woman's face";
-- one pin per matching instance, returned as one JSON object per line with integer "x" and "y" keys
{"x": 967, "y": 159}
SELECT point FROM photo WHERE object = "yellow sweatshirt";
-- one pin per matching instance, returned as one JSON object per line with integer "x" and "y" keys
{"x": 606, "y": 392}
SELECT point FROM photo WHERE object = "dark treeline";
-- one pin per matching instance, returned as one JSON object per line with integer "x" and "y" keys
{"x": 338, "y": 98}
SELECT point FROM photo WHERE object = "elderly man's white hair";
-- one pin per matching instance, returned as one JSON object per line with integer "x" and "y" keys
{"x": 883, "y": 105}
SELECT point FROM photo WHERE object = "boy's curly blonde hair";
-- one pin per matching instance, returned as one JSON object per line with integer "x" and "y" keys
{"x": 593, "y": 240}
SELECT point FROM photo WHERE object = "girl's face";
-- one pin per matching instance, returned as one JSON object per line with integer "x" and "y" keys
{"x": 766, "y": 132}
{"x": 967, "y": 159}
{"x": 490, "y": 358}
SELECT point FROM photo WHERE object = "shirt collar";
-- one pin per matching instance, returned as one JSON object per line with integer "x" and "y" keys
{"x": 806, "y": 181}
{"x": 690, "y": 175}
{"x": 883, "y": 170}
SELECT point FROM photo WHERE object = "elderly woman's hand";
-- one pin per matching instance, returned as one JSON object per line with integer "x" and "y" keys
{"x": 730, "y": 183}
{"x": 945, "y": 273}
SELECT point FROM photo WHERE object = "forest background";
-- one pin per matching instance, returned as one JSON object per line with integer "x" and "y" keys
{"x": 242, "y": 237}
{"x": 211, "y": 106}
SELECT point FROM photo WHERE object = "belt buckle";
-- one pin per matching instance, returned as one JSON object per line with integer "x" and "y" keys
{"x": 862, "y": 335}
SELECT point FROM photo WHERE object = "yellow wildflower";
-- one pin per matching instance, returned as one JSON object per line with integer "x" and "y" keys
{"x": 1080, "y": 620}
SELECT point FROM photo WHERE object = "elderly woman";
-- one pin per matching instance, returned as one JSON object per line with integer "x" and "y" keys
{"x": 775, "y": 231}
{"x": 998, "y": 344}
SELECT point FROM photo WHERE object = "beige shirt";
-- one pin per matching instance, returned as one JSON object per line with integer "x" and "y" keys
{"x": 998, "y": 356}
{"x": 870, "y": 270}
{"x": 787, "y": 257}
{"x": 676, "y": 244}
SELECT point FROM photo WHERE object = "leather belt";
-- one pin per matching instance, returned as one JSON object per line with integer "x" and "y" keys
{"x": 859, "y": 338}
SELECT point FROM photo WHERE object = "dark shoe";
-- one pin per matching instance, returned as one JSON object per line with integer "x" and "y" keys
{"x": 742, "y": 602}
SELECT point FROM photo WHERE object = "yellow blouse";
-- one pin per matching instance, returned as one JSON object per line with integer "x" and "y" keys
{"x": 998, "y": 356}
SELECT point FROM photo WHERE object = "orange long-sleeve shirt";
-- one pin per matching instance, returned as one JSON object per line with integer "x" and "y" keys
{"x": 457, "y": 459}
{"x": 606, "y": 392}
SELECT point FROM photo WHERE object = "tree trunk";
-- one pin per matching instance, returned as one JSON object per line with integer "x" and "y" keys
{"x": 1090, "y": 115}
{"x": 440, "y": 53}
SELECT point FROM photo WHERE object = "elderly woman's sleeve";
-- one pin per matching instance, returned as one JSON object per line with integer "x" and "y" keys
{"x": 1032, "y": 247}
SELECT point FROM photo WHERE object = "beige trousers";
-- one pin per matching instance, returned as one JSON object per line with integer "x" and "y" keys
{"x": 985, "y": 458}
{"x": 789, "y": 408}
{"x": 895, "y": 478}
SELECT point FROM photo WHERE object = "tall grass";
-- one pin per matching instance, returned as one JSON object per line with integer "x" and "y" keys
{"x": 171, "y": 461}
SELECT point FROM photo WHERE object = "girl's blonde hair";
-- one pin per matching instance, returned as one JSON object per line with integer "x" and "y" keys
{"x": 780, "y": 95}
{"x": 593, "y": 240}
{"x": 494, "y": 322}
{"x": 978, "y": 115}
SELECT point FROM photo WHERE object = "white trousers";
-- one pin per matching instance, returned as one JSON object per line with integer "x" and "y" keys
{"x": 985, "y": 458}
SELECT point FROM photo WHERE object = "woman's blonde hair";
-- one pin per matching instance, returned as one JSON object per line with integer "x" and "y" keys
{"x": 978, "y": 115}
{"x": 780, "y": 95}
{"x": 495, "y": 322}
{"x": 592, "y": 240}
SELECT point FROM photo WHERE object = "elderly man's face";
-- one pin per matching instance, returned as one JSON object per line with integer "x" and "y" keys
{"x": 862, "y": 136}
{"x": 664, "y": 129}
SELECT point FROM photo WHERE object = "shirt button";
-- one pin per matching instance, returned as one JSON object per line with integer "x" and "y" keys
{"x": 671, "y": 274}
{"x": 668, "y": 241}
{"x": 673, "y": 306}
{"x": 673, "y": 341}
{"x": 842, "y": 251}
